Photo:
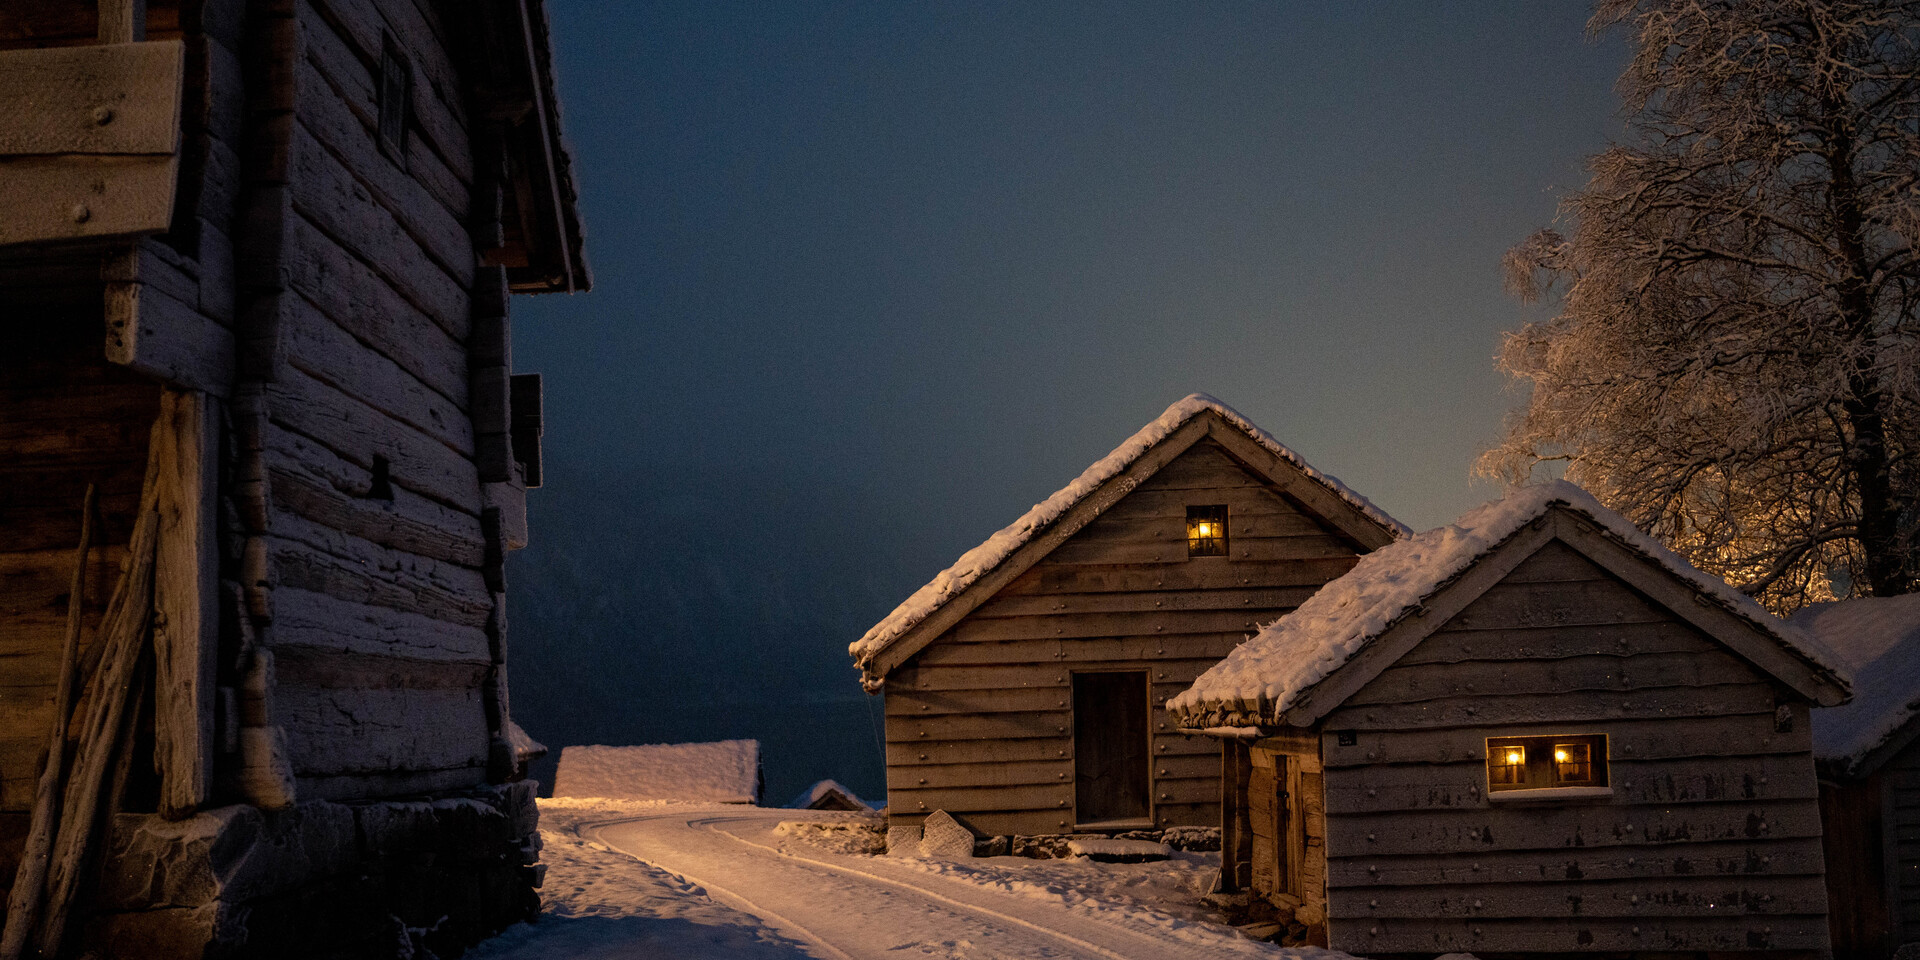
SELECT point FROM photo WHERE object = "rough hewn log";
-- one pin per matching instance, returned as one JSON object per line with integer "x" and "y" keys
{"x": 29, "y": 881}
{"x": 123, "y": 640}
{"x": 185, "y": 457}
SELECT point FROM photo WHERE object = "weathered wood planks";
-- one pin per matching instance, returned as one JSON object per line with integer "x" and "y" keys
{"x": 980, "y": 721}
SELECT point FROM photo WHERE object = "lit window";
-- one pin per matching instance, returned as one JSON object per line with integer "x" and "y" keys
{"x": 1507, "y": 765}
{"x": 1545, "y": 763}
{"x": 1207, "y": 531}
{"x": 1573, "y": 763}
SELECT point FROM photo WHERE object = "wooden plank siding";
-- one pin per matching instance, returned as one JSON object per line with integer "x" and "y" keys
{"x": 980, "y": 722}
{"x": 1710, "y": 839}
{"x": 381, "y": 606}
{"x": 72, "y": 419}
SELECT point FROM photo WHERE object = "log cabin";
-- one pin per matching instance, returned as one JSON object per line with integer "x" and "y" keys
{"x": 1868, "y": 756}
{"x": 262, "y": 454}
{"x": 1533, "y": 732}
{"x": 1023, "y": 684}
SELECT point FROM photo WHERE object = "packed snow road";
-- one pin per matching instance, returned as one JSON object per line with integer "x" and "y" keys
{"x": 849, "y": 907}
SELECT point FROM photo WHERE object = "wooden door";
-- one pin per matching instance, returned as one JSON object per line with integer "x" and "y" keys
{"x": 1110, "y": 760}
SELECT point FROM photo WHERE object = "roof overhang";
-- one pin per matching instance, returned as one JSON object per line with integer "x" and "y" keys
{"x": 1760, "y": 647}
{"x": 1283, "y": 477}
{"x": 539, "y": 239}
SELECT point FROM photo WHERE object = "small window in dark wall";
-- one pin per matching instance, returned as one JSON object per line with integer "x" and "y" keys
{"x": 396, "y": 97}
{"x": 381, "y": 488}
{"x": 1544, "y": 763}
{"x": 1207, "y": 531}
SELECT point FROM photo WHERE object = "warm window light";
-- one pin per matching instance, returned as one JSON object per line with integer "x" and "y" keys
{"x": 1573, "y": 762}
{"x": 1544, "y": 763}
{"x": 1507, "y": 765}
{"x": 1207, "y": 531}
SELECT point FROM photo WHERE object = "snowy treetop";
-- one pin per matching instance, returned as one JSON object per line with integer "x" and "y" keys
{"x": 1879, "y": 638}
{"x": 982, "y": 559}
{"x": 1264, "y": 677}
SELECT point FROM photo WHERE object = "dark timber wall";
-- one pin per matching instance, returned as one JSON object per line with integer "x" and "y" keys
{"x": 980, "y": 722}
{"x": 1710, "y": 841}
{"x": 381, "y": 608}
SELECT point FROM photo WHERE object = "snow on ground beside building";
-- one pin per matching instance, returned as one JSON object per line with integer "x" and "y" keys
{"x": 600, "y": 904}
{"x": 724, "y": 771}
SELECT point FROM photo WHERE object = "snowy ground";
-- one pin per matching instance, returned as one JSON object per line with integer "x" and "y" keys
{"x": 634, "y": 879}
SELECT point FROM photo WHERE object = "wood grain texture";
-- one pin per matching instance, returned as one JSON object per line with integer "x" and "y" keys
{"x": 185, "y": 445}
{"x": 356, "y": 432}
{"x": 320, "y": 560}
{"x": 305, "y": 619}
{"x": 55, "y": 99}
{"x": 1581, "y": 935}
{"x": 1726, "y": 860}
{"x": 1751, "y": 734}
{"x": 318, "y": 485}
{"x": 329, "y": 354}
{"x": 333, "y": 731}
{"x": 348, "y": 292}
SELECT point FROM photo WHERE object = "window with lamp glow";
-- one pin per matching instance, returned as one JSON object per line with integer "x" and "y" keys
{"x": 1545, "y": 763}
{"x": 1207, "y": 531}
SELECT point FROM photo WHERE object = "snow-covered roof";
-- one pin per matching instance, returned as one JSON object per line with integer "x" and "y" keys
{"x": 825, "y": 791}
{"x": 982, "y": 559}
{"x": 1287, "y": 657}
{"x": 1879, "y": 638}
{"x": 725, "y": 771}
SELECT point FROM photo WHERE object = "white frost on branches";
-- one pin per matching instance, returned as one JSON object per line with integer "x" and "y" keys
{"x": 1733, "y": 363}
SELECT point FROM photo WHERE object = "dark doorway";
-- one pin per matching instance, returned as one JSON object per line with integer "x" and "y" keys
{"x": 1110, "y": 750}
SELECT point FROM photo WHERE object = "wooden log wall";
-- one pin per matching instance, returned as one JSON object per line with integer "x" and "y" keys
{"x": 376, "y": 583}
{"x": 72, "y": 419}
{"x": 1710, "y": 841}
{"x": 980, "y": 722}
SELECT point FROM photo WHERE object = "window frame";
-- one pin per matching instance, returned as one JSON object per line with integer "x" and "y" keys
{"x": 1208, "y": 546}
{"x": 1542, "y": 774}
{"x": 393, "y": 101}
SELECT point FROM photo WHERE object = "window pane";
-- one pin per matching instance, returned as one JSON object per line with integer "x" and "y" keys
{"x": 1207, "y": 531}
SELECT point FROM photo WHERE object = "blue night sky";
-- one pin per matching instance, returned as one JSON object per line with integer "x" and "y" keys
{"x": 873, "y": 278}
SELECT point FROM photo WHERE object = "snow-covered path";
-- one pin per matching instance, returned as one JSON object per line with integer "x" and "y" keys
{"x": 843, "y": 907}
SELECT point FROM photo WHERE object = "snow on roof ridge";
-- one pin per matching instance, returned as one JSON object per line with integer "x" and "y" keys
{"x": 977, "y": 562}
{"x": 1879, "y": 638}
{"x": 1291, "y": 654}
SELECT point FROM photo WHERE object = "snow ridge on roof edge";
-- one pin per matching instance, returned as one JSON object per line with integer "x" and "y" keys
{"x": 1264, "y": 677}
{"x": 981, "y": 560}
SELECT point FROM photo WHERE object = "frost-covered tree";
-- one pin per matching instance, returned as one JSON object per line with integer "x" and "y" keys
{"x": 1733, "y": 360}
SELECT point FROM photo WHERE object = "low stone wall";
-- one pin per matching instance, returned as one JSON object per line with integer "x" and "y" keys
{"x": 321, "y": 880}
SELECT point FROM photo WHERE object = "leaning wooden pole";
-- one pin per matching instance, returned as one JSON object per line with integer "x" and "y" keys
{"x": 123, "y": 639}
{"x": 23, "y": 900}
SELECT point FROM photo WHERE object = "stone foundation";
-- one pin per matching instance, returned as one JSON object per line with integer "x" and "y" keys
{"x": 377, "y": 879}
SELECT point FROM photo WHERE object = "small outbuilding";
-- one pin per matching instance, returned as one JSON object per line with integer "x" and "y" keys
{"x": 1024, "y": 684}
{"x": 1536, "y": 731}
{"x": 1868, "y": 755}
{"x": 724, "y": 771}
{"x": 830, "y": 795}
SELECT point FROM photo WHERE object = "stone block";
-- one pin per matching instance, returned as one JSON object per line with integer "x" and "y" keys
{"x": 943, "y": 838}
{"x": 903, "y": 841}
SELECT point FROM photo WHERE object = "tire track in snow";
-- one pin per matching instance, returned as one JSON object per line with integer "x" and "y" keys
{"x": 730, "y": 897}
{"x": 965, "y": 922}
{"x": 919, "y": 891}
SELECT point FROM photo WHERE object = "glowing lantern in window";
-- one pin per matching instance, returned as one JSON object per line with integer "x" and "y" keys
{"x": 1207, "y": 531}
